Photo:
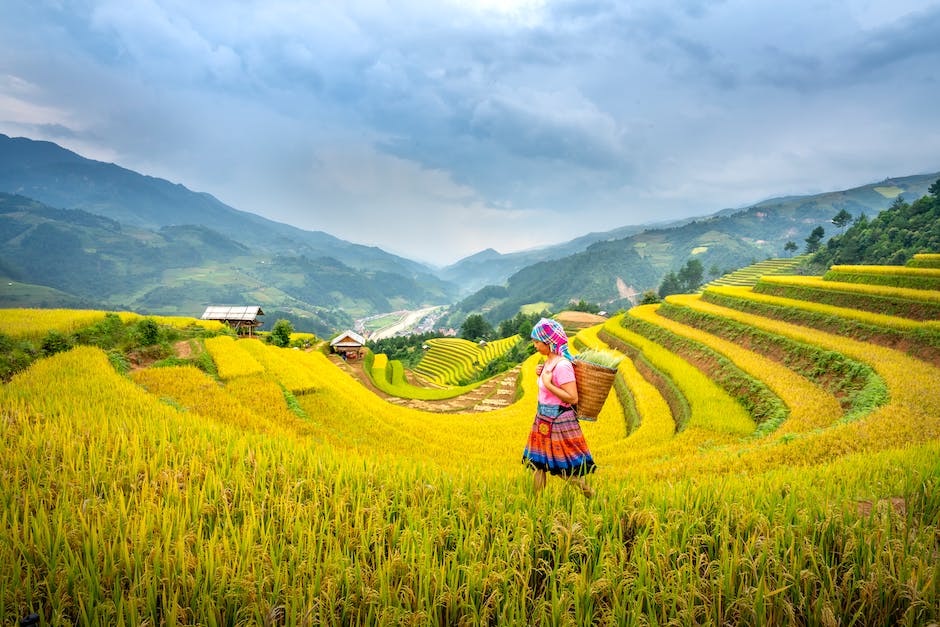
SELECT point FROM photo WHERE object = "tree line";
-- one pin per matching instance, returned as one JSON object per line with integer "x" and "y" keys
{"x": 890, "y": 238}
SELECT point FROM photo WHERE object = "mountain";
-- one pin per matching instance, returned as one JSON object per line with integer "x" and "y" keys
{"x": 61, "y": 178}
{"x": 489, "y": 267}
{"x": 88, "y": 260}
{"x": 611, "y": 271}
{"x": 103, "y": 235}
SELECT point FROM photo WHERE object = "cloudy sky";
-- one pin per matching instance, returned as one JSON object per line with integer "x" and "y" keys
{"x": 435, "y": 129}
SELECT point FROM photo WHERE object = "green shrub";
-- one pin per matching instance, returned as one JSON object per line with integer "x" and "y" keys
{"x": 54, "y": 342}
{"x": 148, "y": 331}
{"x": 107, "y": 333}
{"x": 15, "y": 355}
{"x": 119, "y": 361}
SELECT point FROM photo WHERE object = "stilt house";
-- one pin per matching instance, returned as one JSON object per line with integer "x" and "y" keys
{"x": 349, "y": 345}
{"x": 241, "y": 319}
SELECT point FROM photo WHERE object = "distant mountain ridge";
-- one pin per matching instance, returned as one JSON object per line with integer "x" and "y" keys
{"x": 489, "y": 267}
{"x": 609, "y": 270}
{"x": 178, "y": 270}
{"x": 61, "y": 178}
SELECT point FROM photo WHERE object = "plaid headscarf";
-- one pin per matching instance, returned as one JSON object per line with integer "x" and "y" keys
{"x": 552, "y": 333}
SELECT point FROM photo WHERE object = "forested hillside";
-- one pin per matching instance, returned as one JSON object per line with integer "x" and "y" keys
{"x": 87, "y": 233}
{"x": 890, "y": 238}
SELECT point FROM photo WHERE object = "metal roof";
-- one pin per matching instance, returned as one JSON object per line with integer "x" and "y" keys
{"x": 224, "y": 312}
{"x": 352, "y": 335}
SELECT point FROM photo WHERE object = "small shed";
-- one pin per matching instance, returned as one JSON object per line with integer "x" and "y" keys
{"x": 349, "y": 345}
{"x": 239, "y": 318}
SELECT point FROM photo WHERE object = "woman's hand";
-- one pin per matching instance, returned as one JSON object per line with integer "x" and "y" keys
{"x": 546, "y": 373}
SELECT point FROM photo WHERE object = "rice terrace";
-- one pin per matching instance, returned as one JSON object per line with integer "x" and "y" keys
{"x": 771, "y": 456}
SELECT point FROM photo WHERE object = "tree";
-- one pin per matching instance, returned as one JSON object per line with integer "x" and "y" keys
{"x": 814, "y": 239}
{"x": 586, "y": 307}
{"x": 935, "y": 188}
{"x": 281, "y": 332}
{"x": 691, "y": 274}
{"x": 521, "y": 323}
{"x": 842, "y": 219}
{"x": 688, "y": 279}
{"x": 714, "y": 271}
{"x": 649, "y": 298}
{"x": 475, "y": 328}
{"x": 790, "y": 247}
{"x": 670, "y": 285}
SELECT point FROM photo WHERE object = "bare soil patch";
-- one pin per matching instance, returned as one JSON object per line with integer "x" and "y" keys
{"x": 139, "y": 361}
{"x": 579, "y": 319}
{"x": 183, "y": 349}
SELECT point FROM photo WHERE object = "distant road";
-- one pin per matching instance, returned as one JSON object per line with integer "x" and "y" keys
{"x": 408, "y": 321}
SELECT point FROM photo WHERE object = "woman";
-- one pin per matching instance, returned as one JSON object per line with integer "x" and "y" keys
{"x": 556, "y": 444}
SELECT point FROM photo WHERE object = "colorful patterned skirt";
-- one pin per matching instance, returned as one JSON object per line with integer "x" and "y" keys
{"x": 556, "y": 443}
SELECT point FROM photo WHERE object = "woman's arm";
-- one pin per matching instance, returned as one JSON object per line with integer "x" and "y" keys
{"x": 568, "y": 392}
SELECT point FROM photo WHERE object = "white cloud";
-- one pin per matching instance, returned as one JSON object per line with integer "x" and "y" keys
{"x": 359, "y": 194}
{"x": 527, "y": 13}
{"x": 17, "y": 105}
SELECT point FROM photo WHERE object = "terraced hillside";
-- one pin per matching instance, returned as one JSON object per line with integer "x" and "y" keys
{"x": 749, "y": 275}
{"x": 389, "y": 377}
{"x": 925, "y": 260}
{"x": 451, "y": 360}
{"x": 829, "y": 378}
{"x": 771, "y": 455}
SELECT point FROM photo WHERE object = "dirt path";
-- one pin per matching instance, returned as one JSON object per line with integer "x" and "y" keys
{"x": 498, "y": 392}
{"x": 184, "y": 349}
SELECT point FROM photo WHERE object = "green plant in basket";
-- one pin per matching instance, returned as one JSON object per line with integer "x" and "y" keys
{"x": 602, "y": 358}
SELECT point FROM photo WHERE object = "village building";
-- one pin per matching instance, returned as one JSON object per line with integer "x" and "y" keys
{"x": 349, "y": 345}
{"x": 241, "y": 319}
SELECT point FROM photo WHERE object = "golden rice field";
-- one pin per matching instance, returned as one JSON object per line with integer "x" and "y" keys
{"x": 285, "y": 493}
{"x": 34, "y": 323}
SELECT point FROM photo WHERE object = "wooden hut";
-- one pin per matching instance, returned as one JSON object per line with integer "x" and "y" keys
{"x": 239, "y": 318}
{"x": 349, "y": 344}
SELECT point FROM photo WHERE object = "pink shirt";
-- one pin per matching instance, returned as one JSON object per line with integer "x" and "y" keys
{"x": 563, "y": 373}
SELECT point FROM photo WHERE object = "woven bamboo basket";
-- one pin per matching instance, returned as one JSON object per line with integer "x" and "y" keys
{"x": 594, "y": 383}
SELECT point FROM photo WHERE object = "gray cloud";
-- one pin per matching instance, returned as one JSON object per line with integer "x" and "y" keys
{"x": 913, "y": 38}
